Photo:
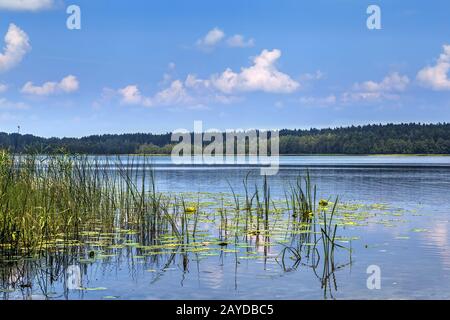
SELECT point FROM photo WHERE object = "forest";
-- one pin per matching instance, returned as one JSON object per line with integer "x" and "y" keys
{"x": 410, "y": 138}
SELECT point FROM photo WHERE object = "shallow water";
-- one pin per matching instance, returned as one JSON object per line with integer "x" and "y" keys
{"x": 407, "y": 237}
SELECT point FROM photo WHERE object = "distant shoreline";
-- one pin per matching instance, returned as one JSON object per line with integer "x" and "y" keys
{"x": 297, "y": 155}
{"x": 413, "y": 139}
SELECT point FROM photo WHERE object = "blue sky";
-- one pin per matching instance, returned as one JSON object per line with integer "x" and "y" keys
{"x": 156, "y": 66}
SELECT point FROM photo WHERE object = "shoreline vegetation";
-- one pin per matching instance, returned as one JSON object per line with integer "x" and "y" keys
{"x": 388, "y": 139}
{"x": 62, "y": 205}
{"x": 314, "y": 155}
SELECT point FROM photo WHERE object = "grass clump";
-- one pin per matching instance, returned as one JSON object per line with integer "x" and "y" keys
{"x": 48, "y": 198}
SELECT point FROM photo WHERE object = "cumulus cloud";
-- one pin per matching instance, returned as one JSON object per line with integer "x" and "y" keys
{"x": 388, "y": 88}
{"x": 26, "y": 5}
{"x": 436, "y": 77}
{"x": 263, "y": 75}
{"x": 131, "y": 95}
{"x": 175, "y": 94}
{"x": 212, "y": 38}
{"x": 66, "y": 85}
{"x": 239, "y": 41}
{"x": 188, "y": 93}
{"x": 16, "y": 46}
{"x": 392, "y": 82}
{"x": 216, "y": 36}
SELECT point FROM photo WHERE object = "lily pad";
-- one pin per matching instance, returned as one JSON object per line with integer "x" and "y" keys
{"x": 93, "y": 289}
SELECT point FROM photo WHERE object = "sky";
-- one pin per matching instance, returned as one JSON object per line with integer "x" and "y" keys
{"x": 157, "y": 66}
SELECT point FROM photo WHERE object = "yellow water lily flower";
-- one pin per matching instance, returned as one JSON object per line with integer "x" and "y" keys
{"x": 323, "y": 203}
{"x": 190, "y": 210}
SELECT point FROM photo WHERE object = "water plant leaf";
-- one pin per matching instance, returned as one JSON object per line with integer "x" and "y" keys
{"x": 93, "y": 289}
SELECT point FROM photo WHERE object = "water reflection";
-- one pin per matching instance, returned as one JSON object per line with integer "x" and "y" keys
{"x": 415, "y": 262}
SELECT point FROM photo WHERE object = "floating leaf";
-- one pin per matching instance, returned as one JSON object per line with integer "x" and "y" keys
{"x": 6, "y": 290}
{"x": 419, "y": 230}
{"x": 93, "y": 289}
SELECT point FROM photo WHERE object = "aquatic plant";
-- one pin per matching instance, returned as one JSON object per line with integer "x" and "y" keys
{"x": 43, "y": 198}
{"x": 90, "y": 209}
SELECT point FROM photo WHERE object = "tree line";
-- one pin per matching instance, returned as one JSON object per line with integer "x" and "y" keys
{"x": 409, "y": 138}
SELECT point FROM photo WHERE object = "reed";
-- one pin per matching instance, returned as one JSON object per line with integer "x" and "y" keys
{"x": 49, "y": 200}
{"x": 53, "y": 204}
{"x": 313, "y": 240}
{"x": 44, "y": 198}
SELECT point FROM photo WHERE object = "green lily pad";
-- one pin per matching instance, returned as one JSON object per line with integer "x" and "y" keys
{"x": 93, "y": 289}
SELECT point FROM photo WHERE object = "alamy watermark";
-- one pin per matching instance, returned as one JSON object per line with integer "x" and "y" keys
{"x": 374, "y": 280}
{"x": 73, "y": 22}
{"x": 213, "y": 146}
{"x": 73, "y": 277}
{"x": 374, "y": 20}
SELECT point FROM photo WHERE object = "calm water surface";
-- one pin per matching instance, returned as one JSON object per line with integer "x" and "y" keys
{"x": 408, "y": 238}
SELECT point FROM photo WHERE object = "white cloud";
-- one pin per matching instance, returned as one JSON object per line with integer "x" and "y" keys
{"x": 105, "y": 98}
{"x": 172, "y": 66}
{"x": 69, "y": 84}
{"x": 279, "y": 104}
{"x": 238, "y": 41}
{"x": 175, "y": 94}
{"x": 318, "y": 101}
{"x": 6, "y": 104}
{"x": 216, "y": 36}
{"x": 312, "y": 76}
{"x": 388, "y": 89}
{"x": 206, "y": 92}
{"x": 363, "y": 96}
{"x": 131, "y": 95}
{"x": 3, "y": 87}
{"x": 169, "y": 75}
{"x": 261, "y": 76}
{"x": 16, "y": 46}
{"x": 392, "y": 82}
{"x": 66, "y": 85}
{"x": 436, "y": 77}
{"x": 26, "y": 5}
{"x": 212, "y": 38}
{"x": 190, "y": 94}
{"x": 193, "y": 82}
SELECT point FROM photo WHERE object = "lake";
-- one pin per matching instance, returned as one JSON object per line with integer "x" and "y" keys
{"x": 400, "y": 225}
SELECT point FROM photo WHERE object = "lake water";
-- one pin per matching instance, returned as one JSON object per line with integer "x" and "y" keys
{"x": 406, "y": 236}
